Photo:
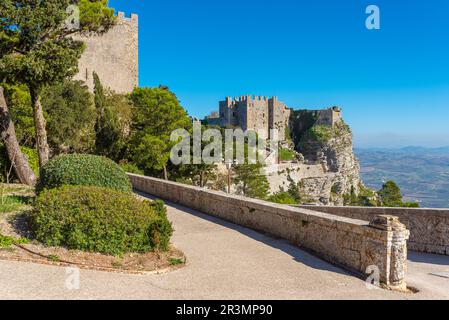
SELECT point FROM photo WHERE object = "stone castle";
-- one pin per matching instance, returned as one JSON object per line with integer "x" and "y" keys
{"x": 255, "y": 113}
{"x": 113, "y": 56}
{"x": 263, "y": 114}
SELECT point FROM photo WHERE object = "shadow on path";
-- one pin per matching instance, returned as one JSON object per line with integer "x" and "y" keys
{"x": 298, "y": 254}
{"x": 428, "y": 258}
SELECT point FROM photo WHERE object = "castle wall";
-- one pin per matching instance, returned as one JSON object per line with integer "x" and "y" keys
{"x": 279, "y": 117}
{"x": 113, "y": 56}
{"x": 329, "y": 116}
{"x": 255, "y": 113}
{"x": 258, "y": 117}
{"x": 262, "y": 115}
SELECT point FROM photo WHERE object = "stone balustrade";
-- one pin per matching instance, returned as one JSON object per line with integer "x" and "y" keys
{"x": 429, "y": 228}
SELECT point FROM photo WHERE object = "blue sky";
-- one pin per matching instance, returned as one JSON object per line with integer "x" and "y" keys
{"x": 392, "y": 83}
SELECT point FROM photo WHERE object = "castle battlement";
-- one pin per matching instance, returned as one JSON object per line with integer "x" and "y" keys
{"x": 262, "y": 114}
{"x": 232, "y": 101}
{"x": 121, "y": 17}
{"x": 254, "y": 112}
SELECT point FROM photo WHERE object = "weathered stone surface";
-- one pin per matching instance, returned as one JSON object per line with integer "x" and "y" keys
{"x": 429, "y": 228}
{"x": 113, "y": 56}
{"x": 329, "y": 169}
{"x": 353, "y": 244}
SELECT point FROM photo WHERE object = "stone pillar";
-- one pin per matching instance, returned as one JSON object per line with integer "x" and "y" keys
{"x": 392, "y": 274}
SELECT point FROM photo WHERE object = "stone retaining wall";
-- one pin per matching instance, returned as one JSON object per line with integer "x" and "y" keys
{"x": 429, "y": 228}
{"x": 350, "y": 243}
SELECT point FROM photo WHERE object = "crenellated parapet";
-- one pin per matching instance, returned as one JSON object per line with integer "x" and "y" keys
{"x": 121, "y": 17}
{"x": 257, "y": 113}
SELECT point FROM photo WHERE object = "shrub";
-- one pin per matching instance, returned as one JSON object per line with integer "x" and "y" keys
{"x": 286, "y": 154}
{"x": 83, "y": 169}
{"x": 130, "y": 167}
{"x": 162, "y": 229}
{"x": 319, "y": 133}
{"x": 33, "y": 158}
{"x": 282, "y": 198}
{"x": 100, "y": 220}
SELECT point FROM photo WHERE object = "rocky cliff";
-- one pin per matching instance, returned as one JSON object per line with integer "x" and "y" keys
{"x": 327, "y": 171}
{"x": 331, "y": 146}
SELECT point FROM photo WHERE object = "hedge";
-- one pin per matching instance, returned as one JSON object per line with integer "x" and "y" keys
{"x": 83, "y": 170}
{"x": 100, "y": 220}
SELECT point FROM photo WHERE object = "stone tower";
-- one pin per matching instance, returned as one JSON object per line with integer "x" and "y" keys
{"x": 256, "y": 113}
{"x": 113, "y": 56}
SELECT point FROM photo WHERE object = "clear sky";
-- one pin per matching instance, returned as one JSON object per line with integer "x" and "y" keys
{"x": 392, "y": 83}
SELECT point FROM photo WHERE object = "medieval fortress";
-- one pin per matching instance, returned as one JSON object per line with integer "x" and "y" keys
{"x": 263, "y": 115}
{"x": 114, "y": 56}
{"x": 326, "y": 171}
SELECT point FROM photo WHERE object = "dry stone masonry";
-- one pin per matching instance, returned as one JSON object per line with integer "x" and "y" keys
{"x": 429, "y": 228}
{"x": 113, "y": 56}
{"x": 255, "y": 113}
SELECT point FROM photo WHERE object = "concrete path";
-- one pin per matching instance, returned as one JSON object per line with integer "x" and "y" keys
{"x": 225, "y": 261}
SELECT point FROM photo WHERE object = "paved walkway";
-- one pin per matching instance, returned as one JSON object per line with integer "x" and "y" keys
{"x": 225, "y": 261}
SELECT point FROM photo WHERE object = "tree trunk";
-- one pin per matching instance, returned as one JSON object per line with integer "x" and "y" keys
{"x": 41, "y": 133}
{"x": 165, "y": 173}
{"x": 8, "y": 134}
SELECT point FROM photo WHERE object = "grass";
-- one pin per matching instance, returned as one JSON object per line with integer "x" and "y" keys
{"x": 175, "y": 261}
{"x": 12, "y": 203}
{"x": 286, "y": 154}
{"x": 53, "y": 258}
{"x": 7, "y": 241}
{"x": 13, "y": 197}
{"x": 116, "y": 264}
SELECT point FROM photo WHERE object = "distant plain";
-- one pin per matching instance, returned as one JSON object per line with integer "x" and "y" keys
{"x": 422, "y": 173}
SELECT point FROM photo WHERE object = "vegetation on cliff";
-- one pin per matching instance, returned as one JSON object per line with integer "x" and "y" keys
{"x": 322, "y": 133}
{"x": 388, "y": 196}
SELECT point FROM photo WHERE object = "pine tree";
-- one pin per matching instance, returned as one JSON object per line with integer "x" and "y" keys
{"x": 37, "y": 50}
{"x": 250, "y": 181}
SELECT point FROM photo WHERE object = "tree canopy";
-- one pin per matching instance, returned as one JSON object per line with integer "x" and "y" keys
{"x": 156, "y": 114}
{"x": 37, "y": 49}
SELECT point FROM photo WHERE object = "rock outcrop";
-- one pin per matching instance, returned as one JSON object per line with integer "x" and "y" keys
{"x": 329, "y": 172}
{"x": 332, "y": 147}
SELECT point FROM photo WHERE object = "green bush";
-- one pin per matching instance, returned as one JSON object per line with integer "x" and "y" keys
{"x": 100, "y": 220}
{"x": 282, "y": 198}
{"x": 162, "y": 230}
{"x": 286, "y": 154}
{"x": 130, "y": 168}
{"x": 83, "y": 170}
{"x": 319, "y": 133}
{"x": 33, "y": 158}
